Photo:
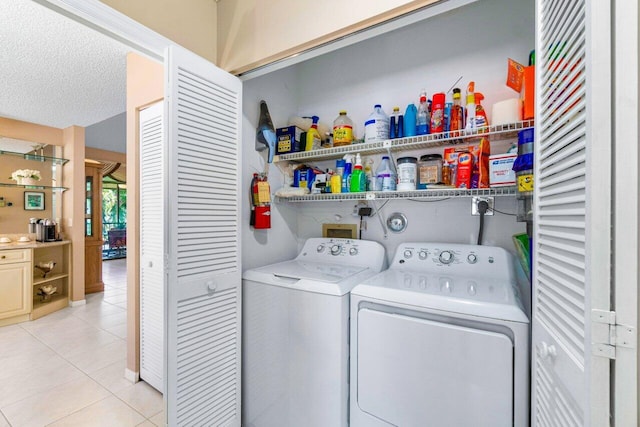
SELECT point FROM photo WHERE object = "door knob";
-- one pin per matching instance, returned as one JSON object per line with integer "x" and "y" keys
{"x": 547, "y": 351}
{"x": 211, "y": 287}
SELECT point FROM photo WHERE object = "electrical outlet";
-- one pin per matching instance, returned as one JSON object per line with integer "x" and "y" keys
{"x": 474, "y": 205}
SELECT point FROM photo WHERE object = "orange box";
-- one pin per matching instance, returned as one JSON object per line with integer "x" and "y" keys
{"x": 529, "y": 93}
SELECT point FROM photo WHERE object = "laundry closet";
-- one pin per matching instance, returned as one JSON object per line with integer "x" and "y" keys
{"x": 571, "y": 232}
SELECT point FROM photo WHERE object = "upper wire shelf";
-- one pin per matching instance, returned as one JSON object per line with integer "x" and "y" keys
{"x": 506, "y": 131}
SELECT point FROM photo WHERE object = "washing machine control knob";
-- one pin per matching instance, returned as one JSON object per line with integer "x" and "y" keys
{"x": 408, "y": 254}
{"x": 422, "y": 254}
{"x": 472, "y": 258}
{"x": 353, "y": 251}
{"x": 336, "y": 249}
{"x": 320, "y": 249}
{"x": 446, "y": 257}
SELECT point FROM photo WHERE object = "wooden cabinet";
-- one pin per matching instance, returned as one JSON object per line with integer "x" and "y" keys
{"x": 15, "y": 283}
{"x": 93, "y": 229}
{"x": 58, "y": 277}
{"x": 21, "y": 297}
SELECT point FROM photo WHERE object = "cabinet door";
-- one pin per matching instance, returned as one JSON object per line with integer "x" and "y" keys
{"x": 572, "y": 215}
{"x": 15, "y": 295}
{"x": 152, "y": 271}
{"x": 203, "y": 120}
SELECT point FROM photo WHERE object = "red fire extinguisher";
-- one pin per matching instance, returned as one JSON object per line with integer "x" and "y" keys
{"x": 260, "y": 202}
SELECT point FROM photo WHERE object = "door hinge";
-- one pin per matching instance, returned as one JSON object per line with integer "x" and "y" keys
{"x": 607, "y": 335}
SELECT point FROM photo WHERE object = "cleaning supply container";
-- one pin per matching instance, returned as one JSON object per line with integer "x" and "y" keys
{"x": 407, "y": 170}
{"x": 429, "y": 170}
{"x": 342, "y": 130}
{"x": 376, "y": 128}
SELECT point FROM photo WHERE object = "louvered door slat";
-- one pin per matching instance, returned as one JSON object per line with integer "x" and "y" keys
{"x": 152, "y": 273}
{"x": 571, "y": 204}
{"x": 204, "y": 252}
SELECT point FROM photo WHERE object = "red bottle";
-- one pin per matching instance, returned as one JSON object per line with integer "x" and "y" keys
{"x": 437, "y": 113}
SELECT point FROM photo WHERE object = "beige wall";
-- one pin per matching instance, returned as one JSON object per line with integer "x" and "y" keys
{"x": 14, "y": 219}
{"x": 73, "y": 205}
{"x": 191, "y": 24}
{"x": 145, "y": 86}
{"x": 256, "y": 32}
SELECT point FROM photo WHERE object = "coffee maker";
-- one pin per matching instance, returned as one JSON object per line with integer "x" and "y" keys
{"x": 46, "y": 230}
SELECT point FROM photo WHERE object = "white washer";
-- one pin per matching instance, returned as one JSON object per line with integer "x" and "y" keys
{"x": 295, "y": 356}
{"x": 440, "y": 339}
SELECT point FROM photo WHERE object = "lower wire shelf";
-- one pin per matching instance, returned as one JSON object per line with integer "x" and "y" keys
{"x": 432, "y": 193}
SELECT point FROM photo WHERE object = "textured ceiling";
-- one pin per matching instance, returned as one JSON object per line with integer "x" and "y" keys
{"x": 55, "y": 71}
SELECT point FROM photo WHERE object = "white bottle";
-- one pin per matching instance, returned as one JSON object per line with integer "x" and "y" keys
{"x": 376, "y": 128}
{"x": 385, "y": 176}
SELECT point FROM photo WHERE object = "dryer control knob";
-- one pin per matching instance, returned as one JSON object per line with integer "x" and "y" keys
{"x": 353, "y": 251}
{"x": 408, "y": 254}
{"x": 446, "y": 257}
{"x": 320, "y": 248}
{"x": 422, "y": 255}
{"x": 336, "y": 249}
{"x": 472, "y": 258}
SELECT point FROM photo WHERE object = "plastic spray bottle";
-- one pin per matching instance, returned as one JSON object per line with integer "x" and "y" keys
{"x": 481, "y": 115}
{"x": 313, "y": 136}
{"x": 346, "y": 177}
{"x": 358, "y": 178}
{"x": 471, "y": 107}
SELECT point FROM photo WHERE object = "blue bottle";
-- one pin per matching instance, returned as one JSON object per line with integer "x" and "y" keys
{"x": 410, "y": 120}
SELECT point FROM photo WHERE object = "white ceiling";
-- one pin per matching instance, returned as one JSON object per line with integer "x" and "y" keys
{"x": 55, "y": 71}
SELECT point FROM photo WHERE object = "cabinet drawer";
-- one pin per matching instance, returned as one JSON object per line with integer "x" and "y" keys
{"x": 15, "y": 255}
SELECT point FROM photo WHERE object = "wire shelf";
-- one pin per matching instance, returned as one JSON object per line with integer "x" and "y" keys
{"x": 499, "y": 132}
{"x": 434, "y": 193}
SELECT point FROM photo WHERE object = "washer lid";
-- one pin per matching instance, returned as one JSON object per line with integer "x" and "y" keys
{"x": 455, "y": 294}
{"x": 315, "y": 271}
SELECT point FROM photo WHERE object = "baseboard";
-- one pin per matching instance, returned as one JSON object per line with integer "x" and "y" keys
{"x": 132, "y": 376}
{"x": 78, "y": 303}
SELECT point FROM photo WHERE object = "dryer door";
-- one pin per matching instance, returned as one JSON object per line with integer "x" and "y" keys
{"x": 417, "y": 372}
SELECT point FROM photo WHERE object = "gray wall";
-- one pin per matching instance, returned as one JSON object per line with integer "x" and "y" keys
{"x": 109, "y": 134}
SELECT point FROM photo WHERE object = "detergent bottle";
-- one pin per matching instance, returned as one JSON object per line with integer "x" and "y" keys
{"x": 376, "y": 127}
{"x": 410, "y": 120}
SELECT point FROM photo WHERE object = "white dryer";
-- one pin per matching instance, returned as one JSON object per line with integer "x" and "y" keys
{"x": 440, "y": 339}
{"x": 295, "y": 348}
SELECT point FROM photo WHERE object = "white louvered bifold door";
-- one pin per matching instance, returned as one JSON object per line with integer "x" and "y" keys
{"x": 152, "y": 235}
{"x": 572, "y": 213}
{"x": 203, "y": 248}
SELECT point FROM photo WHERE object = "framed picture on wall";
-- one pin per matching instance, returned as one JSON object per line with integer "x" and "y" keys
{"x": 33, "y": 201}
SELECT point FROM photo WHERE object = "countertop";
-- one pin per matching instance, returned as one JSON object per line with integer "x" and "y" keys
{"x": 32, "y": 244}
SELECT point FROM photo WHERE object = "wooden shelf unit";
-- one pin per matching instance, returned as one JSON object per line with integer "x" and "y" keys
{"x": 59, "y": 277}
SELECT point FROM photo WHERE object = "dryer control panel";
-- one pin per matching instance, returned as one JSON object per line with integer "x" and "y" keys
{"x": 464, "y": 260}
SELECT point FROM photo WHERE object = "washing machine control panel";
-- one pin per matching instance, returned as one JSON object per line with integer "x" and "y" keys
{"x": 344, "y": 251}
{"x": 454, "y": 258}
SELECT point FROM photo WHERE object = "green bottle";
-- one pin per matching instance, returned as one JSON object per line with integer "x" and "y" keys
{"x": 358, "y": 180}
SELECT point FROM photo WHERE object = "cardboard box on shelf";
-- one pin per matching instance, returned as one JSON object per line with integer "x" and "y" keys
{"x": 501, "y": 173}
{"x": 289, "y": 140}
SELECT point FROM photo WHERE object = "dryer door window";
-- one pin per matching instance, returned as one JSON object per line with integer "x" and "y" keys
{"x": 416, "y": 372}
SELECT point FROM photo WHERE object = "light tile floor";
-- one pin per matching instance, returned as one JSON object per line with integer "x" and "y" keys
{"x": 67, "y": 368}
